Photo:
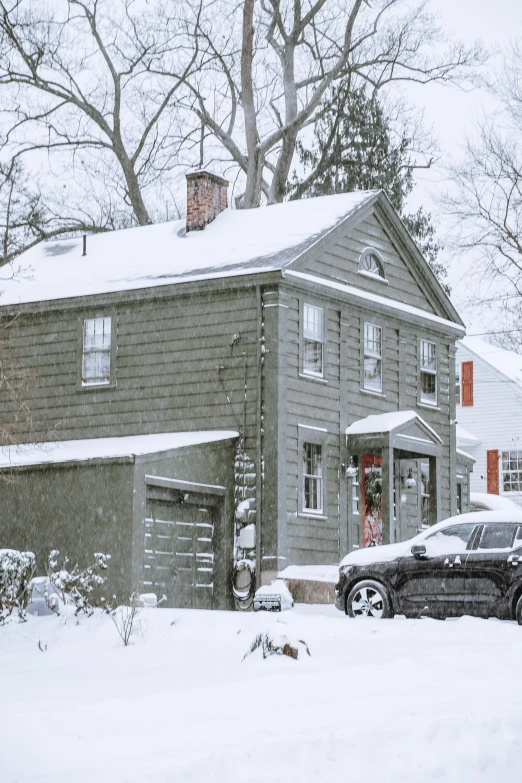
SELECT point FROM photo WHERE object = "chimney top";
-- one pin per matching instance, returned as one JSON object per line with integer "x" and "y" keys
{"x": 206, "y": 198}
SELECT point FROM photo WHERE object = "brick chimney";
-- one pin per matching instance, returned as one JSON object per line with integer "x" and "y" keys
{"x": 206, "y": 198}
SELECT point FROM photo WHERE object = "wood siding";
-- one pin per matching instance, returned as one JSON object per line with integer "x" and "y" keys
{"x": 495, "y": 418}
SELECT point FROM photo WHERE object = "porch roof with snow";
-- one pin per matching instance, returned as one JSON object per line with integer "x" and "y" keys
{"x": 399, "y": 430}
{"x": 119, "y": 448}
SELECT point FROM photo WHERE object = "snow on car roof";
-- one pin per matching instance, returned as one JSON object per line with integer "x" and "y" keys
{"x": 104, "y": 448}
{"x": 508, "y": 363}
{"x": 494, "y": 502}
{"x": 236, "y": 242}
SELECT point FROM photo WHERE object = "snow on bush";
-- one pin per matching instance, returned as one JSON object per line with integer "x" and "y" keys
{"x": 16, "y": 570}
{"x": 275, "y": 642}
{"x": 78, "y": 583}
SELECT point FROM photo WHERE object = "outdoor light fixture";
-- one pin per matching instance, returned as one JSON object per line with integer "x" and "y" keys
{"x": 351, "y": 470}
{"x": 410, "y": 481}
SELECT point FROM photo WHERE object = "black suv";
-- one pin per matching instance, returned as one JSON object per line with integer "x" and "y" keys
{"x": 469, "y": 564}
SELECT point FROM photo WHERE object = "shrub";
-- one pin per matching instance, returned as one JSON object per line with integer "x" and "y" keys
{"x": 77, "y": 583}
{"x": 16, "y": 570}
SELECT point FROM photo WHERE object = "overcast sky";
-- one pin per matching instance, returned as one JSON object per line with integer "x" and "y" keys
{"x": 453, "y": 112}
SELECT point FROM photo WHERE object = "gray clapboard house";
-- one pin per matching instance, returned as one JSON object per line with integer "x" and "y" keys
{"x": 273, "y": 384}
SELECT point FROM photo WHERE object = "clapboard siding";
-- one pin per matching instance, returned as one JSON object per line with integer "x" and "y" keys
{"x": 495, "y": 418}
{"x": 166, "y": 370}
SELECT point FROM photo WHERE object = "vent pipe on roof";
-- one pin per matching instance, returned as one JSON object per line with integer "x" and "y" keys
{"x": 206, "y": 198}
{"x": 84, "y": 245}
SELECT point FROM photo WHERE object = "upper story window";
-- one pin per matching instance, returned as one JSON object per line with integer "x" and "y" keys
{"x": 313, "y": 339}
{"x": 312, "y": 477}
{"x": 428, "y": 372}
{"x": 96, "y": 359}
{"x": 370, "y": 264}
{"x": 512, "y": 471}
{"x": 372, "y": 369}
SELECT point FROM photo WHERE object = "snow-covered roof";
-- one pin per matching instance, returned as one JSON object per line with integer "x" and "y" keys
{"x": 465, "y": 438}
{"x": 508, "y": 363}
{"x": 236, "y": 242}
{"x": 104, "y": 448}
{"x": 386, "y": 422}
{"x": 375, "y": 298}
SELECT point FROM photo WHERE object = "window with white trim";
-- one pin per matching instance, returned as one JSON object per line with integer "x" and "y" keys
{"x": 512, "y": 471}
{"x": 96, "y": 358}
{"x": 428, "y": 372}
{"x": 313, "y": 339}
{"x": 313, "y": 477}
{"x": 372, "y": 367}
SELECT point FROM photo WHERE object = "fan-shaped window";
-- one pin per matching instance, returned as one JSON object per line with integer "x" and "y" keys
{"x": 371, "y": 265}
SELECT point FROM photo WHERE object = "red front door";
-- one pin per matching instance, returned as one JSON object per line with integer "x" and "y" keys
{"x": 371, "y": 500}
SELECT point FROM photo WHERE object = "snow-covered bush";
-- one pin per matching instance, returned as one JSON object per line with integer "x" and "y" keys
{"x": 274, "y": 642}
{"x": 16, "y": 570}
{"x": 77, "y": 583}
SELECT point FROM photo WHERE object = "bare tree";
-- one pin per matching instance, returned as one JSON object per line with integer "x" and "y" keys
{"x": 279, "y": 58}
{"x": 101, "y": 77}
{"x": 486, "y": 202}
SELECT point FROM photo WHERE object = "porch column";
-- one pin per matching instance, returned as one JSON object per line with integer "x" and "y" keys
{"x": 388, "y": 528}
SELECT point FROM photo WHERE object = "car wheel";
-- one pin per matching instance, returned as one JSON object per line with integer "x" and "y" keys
{"x": 518, "y": 611}
{"x": 369, "y": 599}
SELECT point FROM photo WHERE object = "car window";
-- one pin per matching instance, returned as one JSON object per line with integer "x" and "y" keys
{"x": 497, "y": 537}
{"x": 450, "y": 540}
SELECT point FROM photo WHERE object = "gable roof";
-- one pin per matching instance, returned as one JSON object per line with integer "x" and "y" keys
{"x": 393, "y": 421}
{"x": 236, "y": 242}
{"x": 507, "y": 363}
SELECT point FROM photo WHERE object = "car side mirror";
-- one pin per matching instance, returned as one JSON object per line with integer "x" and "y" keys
{"x": 419, "y": 551}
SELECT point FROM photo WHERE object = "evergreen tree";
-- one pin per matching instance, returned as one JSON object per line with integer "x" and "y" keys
{"x": 356, "y": 147}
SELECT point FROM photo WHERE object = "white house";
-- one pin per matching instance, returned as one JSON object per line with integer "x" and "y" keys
{"x": 489, "y": 415}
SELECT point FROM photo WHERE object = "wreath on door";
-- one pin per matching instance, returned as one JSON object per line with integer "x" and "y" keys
{"x": 373, "y": 492}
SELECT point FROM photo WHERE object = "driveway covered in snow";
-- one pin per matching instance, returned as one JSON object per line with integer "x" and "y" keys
{"x": 394, "y": 700}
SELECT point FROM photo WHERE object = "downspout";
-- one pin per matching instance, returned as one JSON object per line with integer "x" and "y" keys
{"x": 259, "y": 410}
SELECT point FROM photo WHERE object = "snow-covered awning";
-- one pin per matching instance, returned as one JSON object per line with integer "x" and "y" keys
{"x": 466, "y": 439}
{"x": 105, "y": 448}
{"x": 404, "y": 430}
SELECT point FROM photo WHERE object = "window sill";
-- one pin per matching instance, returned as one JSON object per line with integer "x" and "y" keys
{"x": 369, "y": 276}
{"x": 428, "y": 406}
{"x": 97, "y": 386}
{"x": 311, "y": 377}
{"x": 310, "y": 515}
{"x": 373, "y": 393}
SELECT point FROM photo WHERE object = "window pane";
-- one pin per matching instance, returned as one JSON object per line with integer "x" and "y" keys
{"x": 312, "y": 339}
{"x": 312, "y": 477}
{"x": 450, "y": 540}
{"x": 373, "y": 374}
{"x": 497, "y": 537}
{"x": 512, "y": 471}
{"x": 96, "y": 358}
{"x": 428, "y": 387}
{"x": 428, "y": 356}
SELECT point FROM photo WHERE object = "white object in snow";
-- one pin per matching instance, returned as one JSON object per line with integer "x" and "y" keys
{"x": 148, "y": 600}
{"x": 247, "y": 537}
{"x": 275, "y": 597}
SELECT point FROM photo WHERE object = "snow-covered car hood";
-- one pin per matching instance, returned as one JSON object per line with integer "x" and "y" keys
{"x": 378, "y": 554}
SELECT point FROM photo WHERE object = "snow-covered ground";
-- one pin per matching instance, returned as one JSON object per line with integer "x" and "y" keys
{"x": 394, "y": 700}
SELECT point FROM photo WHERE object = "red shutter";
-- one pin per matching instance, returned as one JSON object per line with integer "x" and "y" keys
{"x": 467, "y": 383}
{"x": 492, "y": 471}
